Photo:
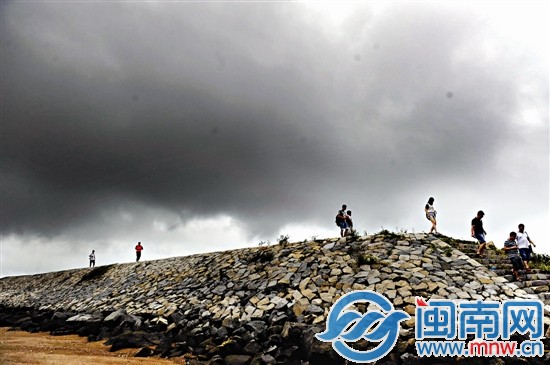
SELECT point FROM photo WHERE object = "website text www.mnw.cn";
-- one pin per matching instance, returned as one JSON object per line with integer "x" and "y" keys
{"x": 480, "y": 348}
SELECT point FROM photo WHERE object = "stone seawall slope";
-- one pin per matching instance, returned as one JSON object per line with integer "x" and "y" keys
{"x": 267, "y": 295}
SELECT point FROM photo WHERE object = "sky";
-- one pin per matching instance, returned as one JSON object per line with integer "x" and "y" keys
{"x": 199, "y": 127}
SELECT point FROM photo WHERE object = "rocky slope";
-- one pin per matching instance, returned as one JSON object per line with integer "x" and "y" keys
{"x": 258, "y": 305}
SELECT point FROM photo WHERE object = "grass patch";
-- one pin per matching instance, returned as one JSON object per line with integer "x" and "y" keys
{"x": 540, "y": 262}
{"x": 283, "y": 239}
{"x": 354, "y": 234}
{"x": 366, "y": 259}
{"x": 388, "y": 234}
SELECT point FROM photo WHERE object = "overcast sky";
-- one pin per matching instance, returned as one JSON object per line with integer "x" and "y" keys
{"x": 196, "y": 127}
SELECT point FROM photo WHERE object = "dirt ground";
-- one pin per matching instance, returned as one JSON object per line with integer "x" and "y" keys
{"x": 17, "y": 347}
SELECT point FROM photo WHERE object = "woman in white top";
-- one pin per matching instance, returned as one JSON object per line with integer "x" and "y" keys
{"x": 430, "y": 214}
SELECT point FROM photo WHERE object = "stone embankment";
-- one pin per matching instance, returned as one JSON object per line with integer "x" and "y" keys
{"x": 258, "y": 305}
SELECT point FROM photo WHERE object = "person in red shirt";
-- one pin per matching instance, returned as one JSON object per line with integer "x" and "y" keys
{"x": 139, "y": 248}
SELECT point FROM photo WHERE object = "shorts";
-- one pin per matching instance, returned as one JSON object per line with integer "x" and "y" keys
{"x": 516, "y": 262}
{"x": 430, "y": 215}
{"x": 343, "y": 225}
{"x": 480, "y": 237}
{"x": 525, "y": 254}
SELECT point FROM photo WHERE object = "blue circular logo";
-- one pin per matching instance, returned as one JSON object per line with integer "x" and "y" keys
{"x": 374, "y": 326}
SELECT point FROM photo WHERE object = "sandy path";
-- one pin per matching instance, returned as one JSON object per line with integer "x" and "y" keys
{"x": 17, "y": 347}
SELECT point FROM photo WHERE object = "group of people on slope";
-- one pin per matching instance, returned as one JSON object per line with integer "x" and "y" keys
{"x": 518, "y": 246}
{"x": 138, "y": 249}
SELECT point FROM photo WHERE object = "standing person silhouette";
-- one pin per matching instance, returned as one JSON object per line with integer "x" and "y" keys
{"x": 349, "y": 221}
{"x": 478, "y": 232}
{"x": 139, "y": 248}
{"x": 341, "y": 221}
{"x": 430, "y": 214}
{"x": 524, "y": 246}
{"x": 92, "y": 258}
{"x": 511, "y": 249}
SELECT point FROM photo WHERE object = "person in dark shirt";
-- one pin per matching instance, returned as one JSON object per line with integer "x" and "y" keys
{"x": 478, "y": 232}
{"x": 511, "y": 248}
{"x": 342, "y": 221}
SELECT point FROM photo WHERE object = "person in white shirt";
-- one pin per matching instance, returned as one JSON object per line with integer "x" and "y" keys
{"x": 430, "y": 214}
{"x": 524, "y": 243}
{"x": 92, "y": 258}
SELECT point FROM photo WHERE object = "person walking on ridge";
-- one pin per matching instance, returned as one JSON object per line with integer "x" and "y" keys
{"x": 524, "y": 246}
{"x": 511, "y": 248}
{"x": 349, "y": 221}
{"x": 92, "y": 258}
{"x": 430, "y": 214}
{"x": 478, "y": 232}
{"x": 341, "y": 218}
{"x": 139, "y": 248}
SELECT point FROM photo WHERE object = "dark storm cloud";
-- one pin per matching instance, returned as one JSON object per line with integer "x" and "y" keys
{"x": 177, "y": 118}
{"x": 242, "y": 109}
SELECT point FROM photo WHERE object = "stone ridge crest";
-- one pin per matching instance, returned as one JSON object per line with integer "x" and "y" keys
{"x": 263, "y": 293}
